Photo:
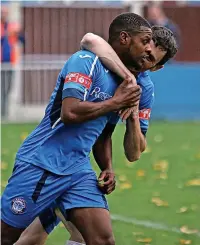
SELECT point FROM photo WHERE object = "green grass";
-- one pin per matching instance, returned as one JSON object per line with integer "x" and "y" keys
{"x": 176, "y": 145}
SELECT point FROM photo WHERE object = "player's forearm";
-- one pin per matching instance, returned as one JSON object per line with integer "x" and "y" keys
{"x": 84, "y": 111}
{"x": 134, "y": 140}
{"x": 102, "y": 151}
{"x": 106, "y": 54}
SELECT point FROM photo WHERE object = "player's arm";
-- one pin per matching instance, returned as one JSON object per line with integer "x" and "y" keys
{"x": 102, "y": 151}
{"x": 136, "y": 128}
{"x": 75, "y": 109}
{"x": 134, "y": 139}
{"x": 107, "y": 55}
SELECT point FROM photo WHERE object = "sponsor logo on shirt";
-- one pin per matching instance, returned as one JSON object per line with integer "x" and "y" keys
{"x": 96, "y": 92}
{"x": 80, "y": 78}
{"x": 145, "y": 114}
{"x": 85, "y": 56}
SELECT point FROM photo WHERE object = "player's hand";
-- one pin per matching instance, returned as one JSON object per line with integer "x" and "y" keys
{"x": 106, "y": 181}
{"x": 125, "y": 113}
{"x": 127, "y": 94}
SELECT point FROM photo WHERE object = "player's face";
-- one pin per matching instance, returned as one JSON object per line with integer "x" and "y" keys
{"x": 136, "y": 47}
{"x": 150, "y": 62}
{"x": 140, "y": 48}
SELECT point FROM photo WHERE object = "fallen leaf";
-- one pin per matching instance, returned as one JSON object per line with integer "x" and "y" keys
{"x": 161, "y": 166}
{"x": 158, "y": 138}
{"x": 23, "y": 136}
{"x": 182, "y": 210}
{"x": 184, "y": 229}
{"x": 4, "y": 151}
{"x": 194, "y": 182}
{"x": 122, "y": 178}
{"x": 147, "y": 150}
{"x": 162, "y": 176}
{"x": 185, "y": 242}
{"x": 141, "y": 173}
{"x": 144, "y": 240}
{"x": 4, "y": 183}
{"x": 158, "y": 202}
{"x": 197, "y": 156}
{"x": 125, "y": 186}
{"x": 4, "y": 165}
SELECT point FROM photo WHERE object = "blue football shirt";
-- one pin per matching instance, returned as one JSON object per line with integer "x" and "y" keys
{"x": 64, "y": 149}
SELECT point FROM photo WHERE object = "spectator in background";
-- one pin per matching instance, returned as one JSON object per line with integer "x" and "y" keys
{"x": 156, "y": 16}
{"x": 10, "y": 54}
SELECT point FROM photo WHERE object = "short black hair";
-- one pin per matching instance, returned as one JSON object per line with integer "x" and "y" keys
{"x": 164, "y": 38}
{"x": 126, "y": 22}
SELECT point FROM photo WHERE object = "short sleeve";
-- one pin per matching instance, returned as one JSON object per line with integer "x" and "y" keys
{"x": 78, "y": 75}
{"x": 146, "y": 103}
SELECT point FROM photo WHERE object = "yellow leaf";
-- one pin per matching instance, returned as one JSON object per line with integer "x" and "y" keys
{"x": 122, "y": 178}
{"x": 158, "y": 202}
{"x": 162, "y": 176}
{"x": 161, "y": 166}
{"x": 23, "y": 136}
{"x": 4, "y": 183}
{"x": 141, "y": 173}
{"x": 182, "y": 210}
{"x": 184, "y": 229}
{"x": 4, "y": 165}
{"x": 125, "y": 186}
{"x": 197, "y": 156}
{"x": 185, "y": 242}
{"x": 158, "y": 138}
{"x": 194, "y": 182}
{"x": 4, "y": 151}
{"x": 147, "y": 150}
{"x": 144, "y": 240}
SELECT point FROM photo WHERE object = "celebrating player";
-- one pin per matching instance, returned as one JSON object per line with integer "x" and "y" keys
{"x": 53, "y": 162}
{"x": 163, "y": 48}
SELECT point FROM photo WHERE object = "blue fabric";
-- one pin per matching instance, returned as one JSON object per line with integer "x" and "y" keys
{"x": 70, "y": 191}
{"x": 5, "y": 46}
{"x": 65, "y": 149}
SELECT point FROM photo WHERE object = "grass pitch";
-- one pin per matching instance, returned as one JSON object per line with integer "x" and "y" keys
{"x": 162, "y": 188}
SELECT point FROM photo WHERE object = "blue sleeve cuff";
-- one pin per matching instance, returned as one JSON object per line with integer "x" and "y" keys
{"x": 74, "y": 93}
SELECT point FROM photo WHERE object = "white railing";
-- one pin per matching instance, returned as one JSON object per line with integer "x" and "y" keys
{"x": 32, "y": 84}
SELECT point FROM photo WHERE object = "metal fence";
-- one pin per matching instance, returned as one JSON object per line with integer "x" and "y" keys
{"x": 32, "y": 83}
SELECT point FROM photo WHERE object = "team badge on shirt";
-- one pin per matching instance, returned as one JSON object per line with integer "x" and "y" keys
{"x": 80, "y": 78}
{"x": 18, "y": 205}
{"x": 145, "y": 114}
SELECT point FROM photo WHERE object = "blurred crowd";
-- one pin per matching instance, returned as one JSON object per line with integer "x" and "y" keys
{"x": 11, "y": 38}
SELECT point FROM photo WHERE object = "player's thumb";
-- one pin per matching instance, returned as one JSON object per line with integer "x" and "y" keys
{"x": 101, "y": 176}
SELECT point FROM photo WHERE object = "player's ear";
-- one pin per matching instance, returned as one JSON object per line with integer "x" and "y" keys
{"x": 157, "y": 67}
{"x": 125, "y": 38}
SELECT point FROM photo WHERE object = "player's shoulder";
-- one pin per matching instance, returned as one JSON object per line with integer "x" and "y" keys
{"x": 84, "y": 55}
{"x": 144, "y": 80}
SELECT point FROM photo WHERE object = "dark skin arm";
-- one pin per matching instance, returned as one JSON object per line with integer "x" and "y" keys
{"x": 77, "y": 111}
{"x": 102, "y": 151}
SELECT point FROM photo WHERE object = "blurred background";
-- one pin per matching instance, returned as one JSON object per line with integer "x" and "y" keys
{"x": 161, "y": 191}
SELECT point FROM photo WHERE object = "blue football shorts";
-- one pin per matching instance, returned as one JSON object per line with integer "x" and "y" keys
{"x": 33, "y": 191}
